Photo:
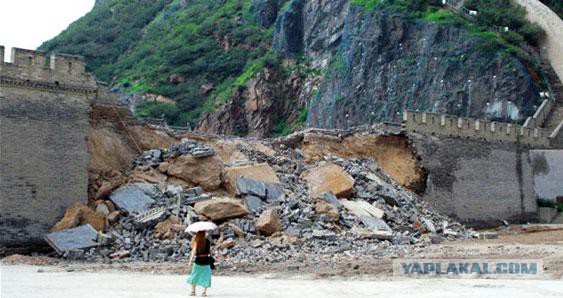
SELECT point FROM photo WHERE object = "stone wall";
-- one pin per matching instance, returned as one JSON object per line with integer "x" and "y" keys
{"x": 44, "y": 111}
{"x": 471, "y": 128}
{"x": 478, "y": 182}
{"x": 547, "y": 166}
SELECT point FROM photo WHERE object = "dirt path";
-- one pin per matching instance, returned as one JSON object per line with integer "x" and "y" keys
{"x": 31, "y": 281}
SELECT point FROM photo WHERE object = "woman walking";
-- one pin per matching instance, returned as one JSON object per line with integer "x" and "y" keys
{"x": 201, "y": 269}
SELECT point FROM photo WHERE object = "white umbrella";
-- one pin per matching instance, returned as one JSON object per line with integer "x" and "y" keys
{"x": 201, "y": 226}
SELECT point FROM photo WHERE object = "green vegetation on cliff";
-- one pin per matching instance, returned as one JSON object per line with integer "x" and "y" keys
{"x": 490, "y": 15}
{"x": 170, "y": 48}
{"x": 201, "y": 52}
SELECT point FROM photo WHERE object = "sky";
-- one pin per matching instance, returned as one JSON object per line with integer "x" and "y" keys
{"x": 28, "y": 23}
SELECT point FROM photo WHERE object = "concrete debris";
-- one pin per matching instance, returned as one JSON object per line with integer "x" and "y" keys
{"x": 253, "y": 203}
{"x": 81, "y": 237}
{"x": 330, "y": 211}
{"x": 279, "y": 206}
{"x": 134, "y": 198}
{"x": 330, "y": 198}
{"x": 148, "y": 218}
{"x": 488, "y": 235}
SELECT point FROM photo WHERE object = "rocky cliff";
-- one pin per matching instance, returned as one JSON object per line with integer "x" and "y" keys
{"x": 378, "y": 63}
{"x": 263, "y": 67}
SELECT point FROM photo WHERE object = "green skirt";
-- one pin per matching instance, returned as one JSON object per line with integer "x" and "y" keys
{"x": 200, "y": 276}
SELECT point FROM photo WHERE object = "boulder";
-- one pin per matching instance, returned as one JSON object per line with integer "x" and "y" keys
{"x": 268, "y": 223}
{"x": 258, "y": 172}
{"x": 247, "y": 186}
{"x": 104, "y": 191}
{"x": 134, "y": 198}
{"x": 227, "y": 244}
{"x": 205, "y": 172}
{"x": 221, "y": 209}
{"x": 110, "y": 205}
{"x": 328, "y": 178}
{"x": 80, "y": 214}
{"x": 162, "y": 230}
{"x": 163, "y": 167}
{"x": 253, "y": 203}
{"x": 102, "y": 209}
{"x": 330, "y": 211}
{"x": 149, "y": 176}
{"x": 72, "y": 239}
{"x": 113, "y": 217}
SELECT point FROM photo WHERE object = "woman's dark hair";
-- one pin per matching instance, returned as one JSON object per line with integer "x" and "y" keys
{"x": 198, "y": 242}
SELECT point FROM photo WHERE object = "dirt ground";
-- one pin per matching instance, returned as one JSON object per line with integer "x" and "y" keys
{"x": 511, "y": 244}
{"x": 44, "y": 282}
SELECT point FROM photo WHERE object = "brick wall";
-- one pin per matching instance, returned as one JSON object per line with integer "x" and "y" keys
{"x": 44, "y": 157}
{"x": 478, "y": 182}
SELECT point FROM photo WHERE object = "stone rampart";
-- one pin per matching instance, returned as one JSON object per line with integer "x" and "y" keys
{"x": 478, "y": 182}
{"x": 540, "y": 116}
{"x": 44, "y": 159}
{"x": 453, "y": 126}
{"x": 37, "y": 67}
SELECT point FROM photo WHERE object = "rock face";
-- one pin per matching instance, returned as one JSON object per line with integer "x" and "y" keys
{"x": 258, "y": 172}
{"x": 328, "y": 178}
{"x": 268, "y": 223}
{"x": 265, "y": 12}
{"x": 379, "y": 63}
{"x": 219, "y": 209}
{"x": 205, "y": 172}
{"x": 257, "y": 107}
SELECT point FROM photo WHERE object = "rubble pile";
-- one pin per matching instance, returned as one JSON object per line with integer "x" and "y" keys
{"x": 270, "y": 208}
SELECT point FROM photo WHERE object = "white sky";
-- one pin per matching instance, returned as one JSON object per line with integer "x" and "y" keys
{"x": 28, "y": 23}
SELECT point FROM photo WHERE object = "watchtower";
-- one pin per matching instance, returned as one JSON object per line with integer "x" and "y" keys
{"x": 44, "y": 160}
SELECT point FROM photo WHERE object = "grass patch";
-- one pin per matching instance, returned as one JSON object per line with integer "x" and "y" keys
{"x": 367, "y": 4}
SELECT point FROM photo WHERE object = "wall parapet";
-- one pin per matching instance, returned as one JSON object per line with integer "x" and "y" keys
{"x": 472, "y": 128}
{"x": 541, "y": 114}
{"x": 37, "y": 66}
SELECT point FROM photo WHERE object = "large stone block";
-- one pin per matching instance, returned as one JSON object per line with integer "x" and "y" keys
{"x": 258, "y": 172}
{"x": 205, "y": 172}
{"x": 134, "y": 198}
{"x": 221, "y": 209}
{"x": 80, "y": 214}
{"x": 73, "y": 239}
{"x": 268, "y": 223}
{"x": 328, "y": 178}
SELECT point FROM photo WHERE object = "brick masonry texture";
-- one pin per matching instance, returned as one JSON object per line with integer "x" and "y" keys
{"x": 44, "y": 160}
{"x": 477, "y": 182}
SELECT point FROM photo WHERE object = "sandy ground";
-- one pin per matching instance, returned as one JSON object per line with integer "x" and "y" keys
{"x": 45, "y": 282}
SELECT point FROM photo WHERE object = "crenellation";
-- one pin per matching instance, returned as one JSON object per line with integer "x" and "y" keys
{"x": 452, "y": 126}
{"x": 38, "y": 67}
